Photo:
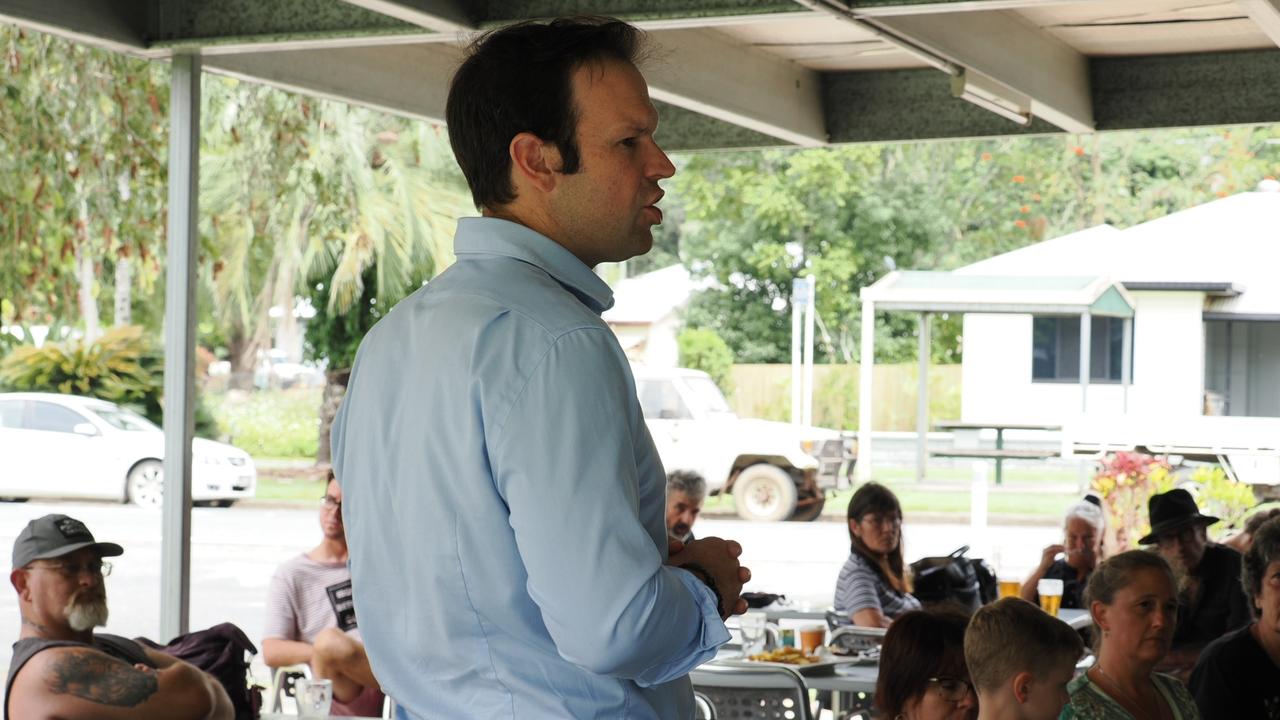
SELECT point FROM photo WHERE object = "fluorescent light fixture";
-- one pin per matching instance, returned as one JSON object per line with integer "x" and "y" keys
{"x": 992, "y": 96}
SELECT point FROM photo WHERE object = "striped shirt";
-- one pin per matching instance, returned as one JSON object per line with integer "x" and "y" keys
{"x": 307, "y": 596}
{"x": 861, "y": 588}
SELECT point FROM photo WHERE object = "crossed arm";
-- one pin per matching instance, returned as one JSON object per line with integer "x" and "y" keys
{"x": 80, "y": 683}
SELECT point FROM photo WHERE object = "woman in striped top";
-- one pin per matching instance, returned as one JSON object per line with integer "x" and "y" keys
{"x": 872, "y": 589}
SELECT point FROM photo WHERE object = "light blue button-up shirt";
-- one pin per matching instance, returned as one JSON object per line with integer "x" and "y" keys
{"x": 504, "y": 503}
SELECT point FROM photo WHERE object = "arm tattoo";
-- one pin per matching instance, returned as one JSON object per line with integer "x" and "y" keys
{"x": 100, "y": 678}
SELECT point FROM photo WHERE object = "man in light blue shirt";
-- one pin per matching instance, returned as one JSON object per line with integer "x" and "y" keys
{"x": 503, "y": 500}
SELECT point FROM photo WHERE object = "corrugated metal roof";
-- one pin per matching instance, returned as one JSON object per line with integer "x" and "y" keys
{"x": 915, "y": 291}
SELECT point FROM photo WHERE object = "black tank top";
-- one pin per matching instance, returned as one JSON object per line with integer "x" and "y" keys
{"x": 117, "y": 647}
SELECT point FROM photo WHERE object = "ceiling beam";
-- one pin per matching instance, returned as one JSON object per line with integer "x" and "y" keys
{"x": 117, "y": 26}
{"x": 365, "y": 76}
{"x": 1266, "y": 14}
{"x": 1010, "y": 50}
{"x": 445, "y": 16}
{"x": 706, "y": 72}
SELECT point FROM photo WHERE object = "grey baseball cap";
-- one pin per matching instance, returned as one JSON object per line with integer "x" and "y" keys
{"x": 53, "y": 536}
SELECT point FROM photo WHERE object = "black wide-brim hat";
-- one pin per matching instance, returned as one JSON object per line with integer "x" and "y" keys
{"x": 1171, "y": 511}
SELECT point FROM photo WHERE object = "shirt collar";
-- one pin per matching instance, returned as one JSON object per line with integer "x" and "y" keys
{"x": 495, "y": 236}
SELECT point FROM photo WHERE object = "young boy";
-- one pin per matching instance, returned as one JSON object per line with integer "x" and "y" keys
{"x": 1020, "y": 659}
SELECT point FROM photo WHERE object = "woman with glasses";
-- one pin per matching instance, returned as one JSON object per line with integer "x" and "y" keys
{"x": 1133, "y": 600}
{"x": 922, "y": 670}
{"x": 872, "y": 588}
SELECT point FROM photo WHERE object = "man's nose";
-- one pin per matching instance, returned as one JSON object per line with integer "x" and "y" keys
{"x": 660, "y": 165}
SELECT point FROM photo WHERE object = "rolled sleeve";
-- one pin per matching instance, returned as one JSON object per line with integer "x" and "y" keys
{"x": 566, "y": 465}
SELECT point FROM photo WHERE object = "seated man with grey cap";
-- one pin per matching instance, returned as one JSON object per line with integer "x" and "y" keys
{"x": 61, "y": 668}
{"x": 1211, "y": 601}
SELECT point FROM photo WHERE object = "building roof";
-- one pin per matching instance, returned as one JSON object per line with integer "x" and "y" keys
{"x": 648, "y": 298}
{"x": 1228, "y": 248}
{"x": 750, "y": 73}
{"x": 916, "y": 291}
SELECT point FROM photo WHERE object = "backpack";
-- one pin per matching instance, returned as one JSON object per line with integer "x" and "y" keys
{"x": 220, "y": 651}
{"x": 968, "y": 582}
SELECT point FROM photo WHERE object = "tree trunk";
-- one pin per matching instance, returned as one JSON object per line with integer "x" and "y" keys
{"x": 88, "y": 304}
{"x": 335, "y": 388}
{"x": 241, "y": 376}
{"x": 123, "y": 314}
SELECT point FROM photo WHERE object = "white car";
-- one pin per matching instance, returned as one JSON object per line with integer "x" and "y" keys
{"x": 66, "y": 446}
{"x": 775, "y": 471}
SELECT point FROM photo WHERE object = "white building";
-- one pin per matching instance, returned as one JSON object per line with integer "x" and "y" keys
{"x": 646, "y": 315}
{"x": 1205, "y": 283}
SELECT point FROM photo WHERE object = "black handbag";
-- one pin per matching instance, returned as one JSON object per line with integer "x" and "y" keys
{"x": 968, "y": 582}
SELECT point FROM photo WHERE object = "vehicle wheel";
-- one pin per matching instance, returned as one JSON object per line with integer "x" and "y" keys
{"x": 809, "y": 512}
{"x": 764, "y": 492}
{"x": 223, "y": 503}
{"x": 145, "y": 486}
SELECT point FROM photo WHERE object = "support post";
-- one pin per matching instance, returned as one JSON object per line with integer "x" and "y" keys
{"x": 1126, "y": 360}
{"x": 866, "y": 365}
{"x": 179, "y": 344}
{"x": 922, "y": 398}
{"x": 979, "y": 540}
{"x": 796, "y": 371}
{"x": 1086, "y": 336}
{"x": 806, "y": 413}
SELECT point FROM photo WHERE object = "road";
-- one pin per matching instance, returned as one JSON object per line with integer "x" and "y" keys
{"x": 234, "y": 552}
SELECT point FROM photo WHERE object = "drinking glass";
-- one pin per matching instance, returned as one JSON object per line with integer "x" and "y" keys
{"x": 1050, "y": 592}
{"x": 314, "y": 698}
{"x": 752, "y": 624}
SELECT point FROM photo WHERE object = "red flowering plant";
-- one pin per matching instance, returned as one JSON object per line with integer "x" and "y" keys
{"x": 1125, "y": 481}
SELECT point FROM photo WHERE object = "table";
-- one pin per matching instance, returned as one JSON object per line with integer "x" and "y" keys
{"x": 1078, "y": 619}
{"x": 784, "y": 612}
{"x": 999, "y": 454}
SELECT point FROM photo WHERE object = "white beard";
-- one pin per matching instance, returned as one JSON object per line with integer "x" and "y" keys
{"x": 86, "y": 614}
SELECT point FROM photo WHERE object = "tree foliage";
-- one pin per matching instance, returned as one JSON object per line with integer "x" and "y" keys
{"x": 758, "y": 220}
{"x": 702, "y": 349}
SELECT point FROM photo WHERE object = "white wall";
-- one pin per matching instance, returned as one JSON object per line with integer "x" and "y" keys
{"x": 1168, "y": 374}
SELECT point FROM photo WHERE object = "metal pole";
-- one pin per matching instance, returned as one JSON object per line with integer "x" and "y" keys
{"x": 922, "y": 398}
{"x": 796, "y": 390}
{"x": 179, "y": 344}
{"x": 864, "y": 389}
{"x": 807, "y": 399}
{"x": 1126, "y": 359}
{"x": 1086, "y": 336}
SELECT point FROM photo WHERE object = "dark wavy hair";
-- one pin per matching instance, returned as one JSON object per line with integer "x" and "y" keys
{"x": 520, "y": 79}
{"x": 919, "y": 645}
{"x": 874, "y": 498}
{"x": 1264, "y": 551}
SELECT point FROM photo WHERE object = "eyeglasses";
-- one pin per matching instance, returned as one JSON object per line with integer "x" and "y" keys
{"x": 1185, "y": 536}
{"x": 73, "y": 570}
{"x": 329, "y": 502}
{"x": 951, "y": 689}
{"x": 883, "y": 521}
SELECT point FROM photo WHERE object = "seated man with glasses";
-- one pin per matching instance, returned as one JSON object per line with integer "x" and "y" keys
{"x": 61, "y": 668}
{"x": 311, "y": 617}
{"x": 1211, "y": 602}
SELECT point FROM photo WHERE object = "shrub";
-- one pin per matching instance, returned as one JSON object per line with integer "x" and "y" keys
{"x": 702, "y": 349}
{"x": 123, "y": 366}
{"x": 272, "y": 423}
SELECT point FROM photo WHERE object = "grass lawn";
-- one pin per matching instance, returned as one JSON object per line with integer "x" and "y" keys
{"x": 304, "y": 484}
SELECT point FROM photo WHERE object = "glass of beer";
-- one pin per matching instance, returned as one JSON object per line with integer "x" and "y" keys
{"x": 1050, "y": 592}
{"x": 812, "y": 637}
{"x": 1009, "y": 586}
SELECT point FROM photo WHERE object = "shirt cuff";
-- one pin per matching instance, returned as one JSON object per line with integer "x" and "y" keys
{"x": 710, "y": 636}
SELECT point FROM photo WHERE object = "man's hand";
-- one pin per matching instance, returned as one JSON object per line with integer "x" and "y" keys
{"x": 720, "y": 559}
{"x": 1050, "y": 554}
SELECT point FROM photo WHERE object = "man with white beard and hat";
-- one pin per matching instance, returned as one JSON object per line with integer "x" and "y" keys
{"x": 61, "y": 668}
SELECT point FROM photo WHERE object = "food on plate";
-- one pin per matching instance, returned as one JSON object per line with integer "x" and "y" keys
{"x": 785, "y": 655}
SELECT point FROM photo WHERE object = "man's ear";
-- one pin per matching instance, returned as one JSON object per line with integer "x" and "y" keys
{"x": 534, "y": 161}
{"x": 1022, "y": 687}
{"x": 18, "y": 578}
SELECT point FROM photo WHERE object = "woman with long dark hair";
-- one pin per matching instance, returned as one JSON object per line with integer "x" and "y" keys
{"x": 872, "y": 589}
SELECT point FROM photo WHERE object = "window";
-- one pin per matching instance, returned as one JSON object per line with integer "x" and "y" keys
{"x": 11, "y": 413}
{"x": 660, "y": 400}
{"x": 54, "y": 418}
{"x": 1055, "y": 349}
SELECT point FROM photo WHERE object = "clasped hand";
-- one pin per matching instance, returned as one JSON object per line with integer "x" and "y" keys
{"x": 719, "y": 557}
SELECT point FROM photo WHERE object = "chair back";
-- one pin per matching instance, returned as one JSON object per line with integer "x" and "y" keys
{"x": 743, "y": 693}
{"x": 284, "y": 685}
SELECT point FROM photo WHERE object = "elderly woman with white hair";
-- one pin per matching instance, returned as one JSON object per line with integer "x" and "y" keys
{"x": 1081, "y": 549}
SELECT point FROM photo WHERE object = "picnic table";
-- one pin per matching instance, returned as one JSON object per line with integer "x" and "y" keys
{"x": 1000, "y": 453}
